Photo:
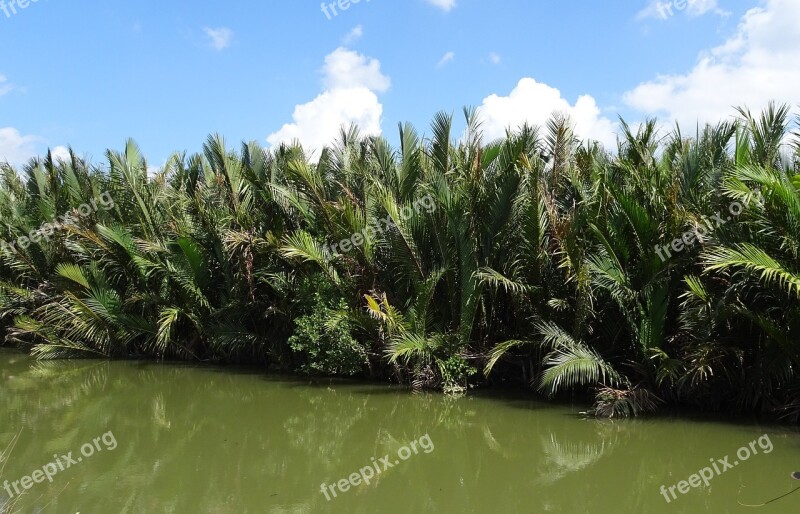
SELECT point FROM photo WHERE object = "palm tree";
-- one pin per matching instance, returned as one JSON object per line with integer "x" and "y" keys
{"x": 535, "y": 258}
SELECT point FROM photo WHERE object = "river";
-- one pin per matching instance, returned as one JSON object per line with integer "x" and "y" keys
{"x": 138, "y": 437}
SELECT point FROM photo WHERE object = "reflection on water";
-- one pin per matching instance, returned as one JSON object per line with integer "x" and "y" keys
{"x": 199, "y": 440}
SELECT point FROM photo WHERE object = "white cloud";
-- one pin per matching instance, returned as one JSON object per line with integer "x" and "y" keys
{"x": 445, "y": 5}
{"x": 756, "y": 65}
{"x": 446, "y": 58}
{"x": 16, "y": 148}
{"x": 534, "y": 103}
{"x": 5, "y": 86}
{"x": 665, "y": 9}
{"x": 351, "y": 82}
{"x": 348, "y": 69}
{"x": 220, "y": 38}
{"x": 354, "y": 35}
{"x": 60, "y": 153}
{"x": 700, "y": 7}
{"x": 495, "y": 58}
{"x": 317, "y": 123}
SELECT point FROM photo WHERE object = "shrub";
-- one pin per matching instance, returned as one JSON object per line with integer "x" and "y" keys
{"x": 455, "y": 374}
{"x": 323, "y": 340}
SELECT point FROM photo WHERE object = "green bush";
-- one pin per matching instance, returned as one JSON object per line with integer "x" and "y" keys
{"x": 324, "y": 343}
{"x": 455, "y": 374}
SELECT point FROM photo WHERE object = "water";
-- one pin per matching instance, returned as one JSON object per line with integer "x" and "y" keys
{"x": 182, "y": 439}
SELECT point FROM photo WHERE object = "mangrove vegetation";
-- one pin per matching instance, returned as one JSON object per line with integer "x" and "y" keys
{"x": 664, "y": 272}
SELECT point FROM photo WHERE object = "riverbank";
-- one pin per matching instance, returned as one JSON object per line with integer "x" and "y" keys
{"x": 662, "y": 274}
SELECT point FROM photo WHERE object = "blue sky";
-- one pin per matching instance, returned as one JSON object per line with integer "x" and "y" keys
{"x": 90, "y": 74}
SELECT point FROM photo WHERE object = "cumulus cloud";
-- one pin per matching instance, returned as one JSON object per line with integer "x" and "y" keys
{"x": 445, "y": 5}
{"x": 446, "y": 58}
{"x": 495, "y": 58}
{"x": 60, "y": 153}
{"x": 534, "y": 103}
{"x": 754, "y": 66}
{"x": 348, "y": 69}
{"x": 351, "y": 82}
{"x": 220, "y": 38}
{"x": 665, "y": 9}
{"x": 16, "y": 148}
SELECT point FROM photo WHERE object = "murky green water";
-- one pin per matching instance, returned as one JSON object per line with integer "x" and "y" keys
{"x": 188, "y": 440}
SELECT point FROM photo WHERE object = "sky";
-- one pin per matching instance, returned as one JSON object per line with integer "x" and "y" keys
{"x": 91, "y": 74}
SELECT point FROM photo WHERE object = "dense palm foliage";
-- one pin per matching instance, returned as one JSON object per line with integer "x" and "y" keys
{"x": 541, "y": 260}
